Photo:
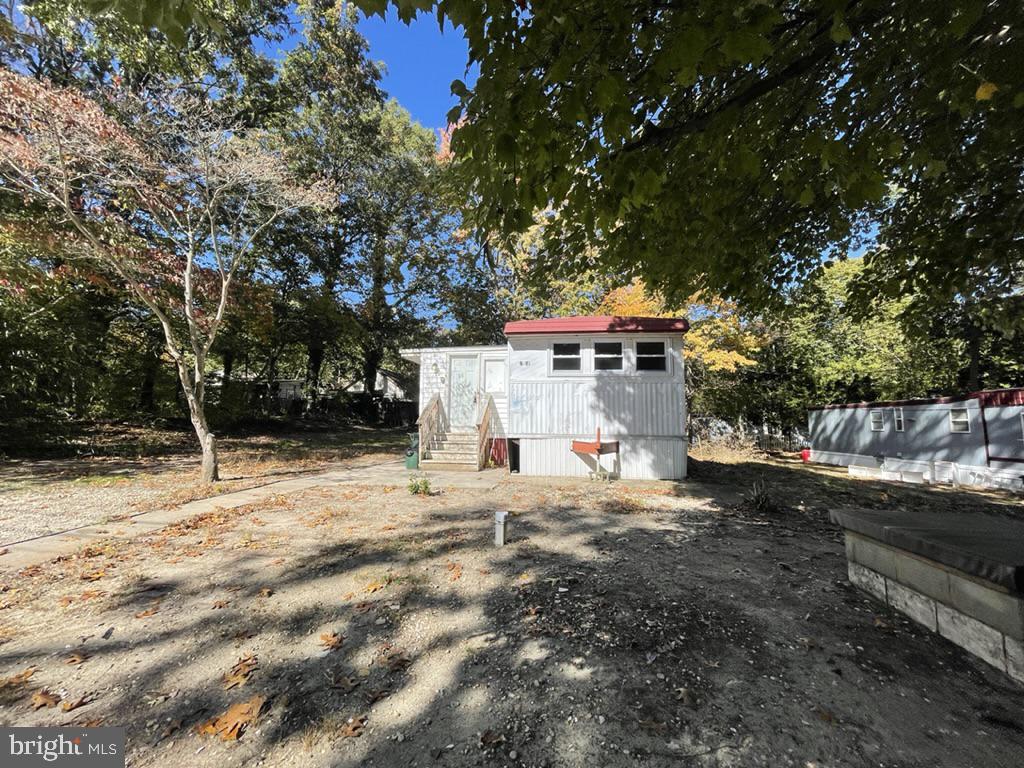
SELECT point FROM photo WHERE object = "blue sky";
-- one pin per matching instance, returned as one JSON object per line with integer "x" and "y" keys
{"x": 420, "y": 63}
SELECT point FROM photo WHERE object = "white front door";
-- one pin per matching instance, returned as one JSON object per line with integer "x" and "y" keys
{"x": 462, "y": 385}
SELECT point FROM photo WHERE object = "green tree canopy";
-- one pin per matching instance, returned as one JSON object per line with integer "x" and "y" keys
{"x": 733, "y": 147}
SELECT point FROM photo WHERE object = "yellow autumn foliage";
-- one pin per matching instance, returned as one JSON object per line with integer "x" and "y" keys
{"x": 719, "y": 338}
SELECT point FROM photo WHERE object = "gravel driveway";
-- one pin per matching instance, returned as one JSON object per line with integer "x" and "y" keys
{"x": 43, "y": 497}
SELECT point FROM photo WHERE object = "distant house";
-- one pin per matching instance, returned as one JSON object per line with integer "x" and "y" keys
{"x": 973, "y": 439}
{"x": 388, "y": 384}
{"x": 542, "y": 398}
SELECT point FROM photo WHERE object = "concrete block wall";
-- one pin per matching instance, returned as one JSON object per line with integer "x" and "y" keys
{"x": 981, "y": 618}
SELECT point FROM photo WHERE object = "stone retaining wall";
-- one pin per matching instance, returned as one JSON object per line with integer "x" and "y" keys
{"x": 980, "y": 617}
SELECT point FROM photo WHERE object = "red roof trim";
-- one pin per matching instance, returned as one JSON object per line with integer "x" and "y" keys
{"x": 598, "y": 324}
{"x": 987, "y": 398}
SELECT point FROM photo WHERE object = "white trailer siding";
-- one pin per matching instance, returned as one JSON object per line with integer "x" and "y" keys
{"x": 990, "y": 452}
{"x": 644, "y": 410}
{"x": 492, "y": 376}
{"x": 494, "y": 382}
{"x": 638, "y": 458}
{"x": 433, "y": 367}
{"x": 616, "y": 406}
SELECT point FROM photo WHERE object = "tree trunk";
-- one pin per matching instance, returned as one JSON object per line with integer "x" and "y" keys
{"x": 151, "y": 367}
{"x": 314, "y": 364}
{"x": 376, "y": 321}
{"x": 195, "y": 397}
{"x": 372, "y": 357}
{"x": 147, "y": 399}
{"x": 229, "y": 364}
{"x": 207, "y": 442}
{"x": 974, "y": 358}
{"x": 210, "y": 468}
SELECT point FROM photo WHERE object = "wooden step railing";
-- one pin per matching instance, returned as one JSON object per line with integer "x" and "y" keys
{"x": 432, "y": 422}
{"x": 485, "y": 429}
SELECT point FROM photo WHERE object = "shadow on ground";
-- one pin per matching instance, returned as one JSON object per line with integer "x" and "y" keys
{"x": 623, "y": 625}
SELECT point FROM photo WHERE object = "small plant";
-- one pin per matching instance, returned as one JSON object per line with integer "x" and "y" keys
{"x": 419, "y": 486}
{"x": 759, "y": 499}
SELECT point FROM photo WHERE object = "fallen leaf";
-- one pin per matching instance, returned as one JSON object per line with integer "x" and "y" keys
{"x": 232, "y": 724}
{"x": 373, "y": 696}
{"x": 454, "y": 571}
{"x": 353, "y": 728}
{"x": 90, "y": 722}
{"x": 44, "y": 698}
{"x": 239, "y": 673}
{"x": 19, "y": 679}
{"x": 396, "y": 662}
{"x": 4, "y": 551}
{"x": 266, "y": 592}
{"x": 172, "y": 727}
{"x": 77, "y": 657}
{"x": 69, "y": 705}
{"x": 489, "y": 739}
{"x": 218, "y": 604}
{"x": 374, "y": 586}
{"x": 827, "y": 716}
{"x": 348, "y": 595}
{"x": 364, "y": 607}
{"x": 93, "y": 575}
{"x": 986, "y": 91}
{"x": 344, "y": 683}
{"x": 147, "y": 613}
{"x": 332, "y": 641}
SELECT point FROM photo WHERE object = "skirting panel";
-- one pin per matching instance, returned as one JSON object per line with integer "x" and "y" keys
{"x": 911, "y": 470}
{"x": 650, "y": 458}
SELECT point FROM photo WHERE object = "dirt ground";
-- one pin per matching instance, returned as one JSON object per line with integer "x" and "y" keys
{"x": 626, "y": 624}
{"x": 139, "y": 470}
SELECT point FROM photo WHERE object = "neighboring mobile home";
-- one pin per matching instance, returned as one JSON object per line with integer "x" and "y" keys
{"x": 975, "y": 439}
{"x": 557, "y": 382}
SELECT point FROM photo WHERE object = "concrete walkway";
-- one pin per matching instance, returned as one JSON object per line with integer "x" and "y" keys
{"x": 44, "y": 548}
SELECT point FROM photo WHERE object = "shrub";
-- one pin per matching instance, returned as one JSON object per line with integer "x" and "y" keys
{"x": 759, "y": 499}
{"x": 419, "y": 486}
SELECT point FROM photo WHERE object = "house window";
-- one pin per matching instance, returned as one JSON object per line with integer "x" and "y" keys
{"x": 958, "y": 420}
{"x": 897, "y": 418}
{"x": 877, "y": 421}
{"x": 607, "y": 355}
{"x": 565, "y": 357}
{"x": 650, "y": 356}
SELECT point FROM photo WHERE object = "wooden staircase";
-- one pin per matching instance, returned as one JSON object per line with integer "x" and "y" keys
{"x": 443, "y": 448}
{"x": 451, "y": 451}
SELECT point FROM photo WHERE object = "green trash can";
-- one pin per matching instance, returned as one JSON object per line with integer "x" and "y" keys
{"x": 412, "y": 453}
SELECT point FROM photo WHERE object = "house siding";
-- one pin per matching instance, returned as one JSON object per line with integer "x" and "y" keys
{"x": 644, "y": 412}
{"x": 843, "y": 436}
{"x": 433, "y": 375}
{"x": 545, "y": 410}
{"x": 638, "y": 458}
{"x": 434, "y": 372}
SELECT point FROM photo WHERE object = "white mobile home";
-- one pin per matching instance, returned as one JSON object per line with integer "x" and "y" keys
{"x": 974, "y": 439}
{"x": 564, "y": 396}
